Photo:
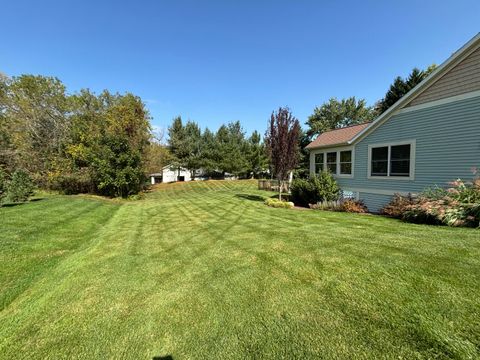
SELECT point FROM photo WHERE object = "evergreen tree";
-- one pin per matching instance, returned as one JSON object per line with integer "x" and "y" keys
{"x": 192, "y": 148}
{"x": 176, "y": 142}
{"x": 256, "y": 155}
{"x": 402, "y": 86}
{"x": 231, "y": 150}
{"x": 211, "y": 157}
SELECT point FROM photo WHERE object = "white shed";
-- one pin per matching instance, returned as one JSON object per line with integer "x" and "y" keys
{"x": 170, "y": 174}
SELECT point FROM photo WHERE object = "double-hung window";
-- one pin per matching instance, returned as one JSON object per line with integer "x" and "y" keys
{"x": 319, "y": 163}
{"x": 332, "y": 162}
{"x": 392, "y": 160}
{"x": 346, "y": 162}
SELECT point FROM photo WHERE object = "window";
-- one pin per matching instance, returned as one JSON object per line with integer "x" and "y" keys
{"x": 332, "y": 162}
{"x": 318, "y": 163}
{"x": 393, "y": 160}
{"x": 346, "y": 162}
{"x": 380, "y": 161}
{"x": 400, "y": 160}
{"x": 339, "y": 162}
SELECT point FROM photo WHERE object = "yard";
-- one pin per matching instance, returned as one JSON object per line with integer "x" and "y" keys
{"x": 206, "y": 270}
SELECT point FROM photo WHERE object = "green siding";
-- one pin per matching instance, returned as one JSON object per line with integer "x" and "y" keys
{"x": 447, "y": 147}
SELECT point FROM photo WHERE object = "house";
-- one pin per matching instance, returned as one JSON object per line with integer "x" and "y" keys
{"x": 429, "y": 137}
{"x": 170, "y": 174}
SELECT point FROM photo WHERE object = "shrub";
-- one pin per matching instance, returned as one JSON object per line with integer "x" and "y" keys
{"x": 19, "y": 188}
{"x": 424, "y": 211}
{"x": 398, "y": 205}
{"x": 354, "y": 206}
{"x": 279, "y": 204}
{"x": 314, "y": 190}
{"x": 347, "y": 205}
{"x": 78, "y": 182}
{"x": 327, "y": 205}
{"x": 459, "y": 205}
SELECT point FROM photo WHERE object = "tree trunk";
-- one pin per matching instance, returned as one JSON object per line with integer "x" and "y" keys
{"x": 279, "y": 189}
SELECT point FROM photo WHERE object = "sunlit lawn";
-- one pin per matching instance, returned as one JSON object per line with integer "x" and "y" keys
{"x": 206, "y": 270}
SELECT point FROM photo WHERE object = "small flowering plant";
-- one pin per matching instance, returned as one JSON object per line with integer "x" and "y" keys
{"x": 458, "y": 205}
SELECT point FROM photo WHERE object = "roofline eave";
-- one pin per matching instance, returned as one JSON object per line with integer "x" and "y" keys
{"x": 328, "y": 146}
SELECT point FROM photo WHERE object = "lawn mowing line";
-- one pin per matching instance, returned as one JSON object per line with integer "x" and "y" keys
{"x": 66, "y": 217}
{"x": 42, "y": 275}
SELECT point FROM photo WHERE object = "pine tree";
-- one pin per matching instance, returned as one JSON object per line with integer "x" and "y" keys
{"x": 400, "y": 87}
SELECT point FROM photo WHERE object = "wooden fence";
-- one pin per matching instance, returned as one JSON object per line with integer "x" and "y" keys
{"x": 272, "y": 185}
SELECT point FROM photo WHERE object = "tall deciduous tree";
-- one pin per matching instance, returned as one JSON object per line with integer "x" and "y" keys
{"x": 401, "y": 86}
{"x": 157, "y": 154}
{"x": 281, "y": 140}
{"x": 335, "y": 114}
{"x": 35, "y": 112}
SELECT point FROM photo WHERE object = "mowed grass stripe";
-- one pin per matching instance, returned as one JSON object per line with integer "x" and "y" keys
{"x": 196, "y": 271}
{"x": 32, "y": 245}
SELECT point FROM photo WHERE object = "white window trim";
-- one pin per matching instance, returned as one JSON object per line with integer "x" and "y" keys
{"x": 412, "y": 144}
{"x": 335, "y": 150}
{"x": 315, "y": 161}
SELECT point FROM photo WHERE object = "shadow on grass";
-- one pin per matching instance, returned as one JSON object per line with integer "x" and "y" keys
{"x": 285, "y": 196}
{"x": 250, "y": 197}
{"x": 21, "y": 203}
{"x": 167, "y": 357}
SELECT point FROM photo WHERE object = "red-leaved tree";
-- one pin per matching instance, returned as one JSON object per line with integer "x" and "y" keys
{"x": 281, "y": 140}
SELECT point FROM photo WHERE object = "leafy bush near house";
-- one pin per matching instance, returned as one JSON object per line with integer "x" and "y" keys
{"x": 19, "y": 188}
{"x": 320, "y": 188}
{"x": 459, "y": 205}
{"x": 347, "y": 205}
{"x": 279, "y": 204}
{"x": 398, "y": 205}
{"x": 327, "y": 205}
{"x": 354, "y": 206}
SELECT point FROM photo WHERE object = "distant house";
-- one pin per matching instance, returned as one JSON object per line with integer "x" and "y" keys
{"x": 429, "y": 137}
{"x": 170, "y": 174}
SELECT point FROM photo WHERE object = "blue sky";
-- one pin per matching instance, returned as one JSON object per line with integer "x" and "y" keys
{"x": 218, "y": 61}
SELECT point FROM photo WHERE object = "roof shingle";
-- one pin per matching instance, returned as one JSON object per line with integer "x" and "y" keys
{"x": 337, "y": 136}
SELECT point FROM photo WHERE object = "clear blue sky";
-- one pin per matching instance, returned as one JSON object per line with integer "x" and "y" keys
{"x": 217, "y": 61}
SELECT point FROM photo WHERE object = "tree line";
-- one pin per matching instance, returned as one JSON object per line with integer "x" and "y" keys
{"x": 84, "y": 142}
{"x": 104, "y": 144}
{"x": 335, "y": 113}
{"x": 228, "y": 151}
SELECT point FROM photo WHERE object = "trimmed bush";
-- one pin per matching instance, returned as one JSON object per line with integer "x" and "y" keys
{"x": 327, "y": 205}
{"x": 398, "y": 206}
{"x": 320, "y": 188}
{"x": 278, "y": 203}
{"x": 347, "y": 205}
{"x": 19, "y": 188}
{"x": 458, "y": 205}
{"x": 354, "y": 206}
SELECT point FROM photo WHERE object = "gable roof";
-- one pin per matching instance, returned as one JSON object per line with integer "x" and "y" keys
{"x": 337, "y": 137}
{"x": 441, "y": 70}
{"x": 472, "y": 45}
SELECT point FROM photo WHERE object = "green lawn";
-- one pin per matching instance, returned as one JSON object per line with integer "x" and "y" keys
{"x": 206, "y": 270}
